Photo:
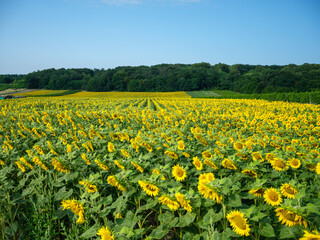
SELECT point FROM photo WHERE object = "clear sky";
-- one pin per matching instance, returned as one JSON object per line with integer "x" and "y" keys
{"x": 41, "y": 34}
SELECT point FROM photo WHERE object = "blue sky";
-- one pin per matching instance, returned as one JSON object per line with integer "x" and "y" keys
{"x": 41, "y": 34}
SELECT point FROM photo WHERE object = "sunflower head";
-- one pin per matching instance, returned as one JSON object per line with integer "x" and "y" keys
{"x": 239, "y": 223}
{"x": 238, "y": 146}
{"x": 288, "y": 191}
{"x": 179, "y": 173}
{"x": 294, "y": 163}
{"x": 272, "y": 197}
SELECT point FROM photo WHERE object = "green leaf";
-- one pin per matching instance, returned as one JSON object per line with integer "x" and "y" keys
{"x": 186, "y": 219}
{"x": 91, "y": 232}
{"x": 267, "y": 230}
{"x": 234, "y": 200}
{"x": 289, "y": 232}
{"x": 212, "y": 217}
{"x": 150, "y": 204}
{"x": 63, "y": 194}
{"x": 165, "y": 217}
{"x": 257, "y": 216}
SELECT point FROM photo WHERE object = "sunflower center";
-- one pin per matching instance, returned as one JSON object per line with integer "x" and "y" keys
{"x": 239, "y": 222}
{"x": 273, "y": 197}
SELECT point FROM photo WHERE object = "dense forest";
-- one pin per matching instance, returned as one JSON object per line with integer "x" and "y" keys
{"x": 177, "y": 77}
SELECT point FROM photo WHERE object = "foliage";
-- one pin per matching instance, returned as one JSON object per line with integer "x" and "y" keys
{"x": 301, "y": 97}
{"x": 181, "y": 77}
{"x": 158, "y": 168}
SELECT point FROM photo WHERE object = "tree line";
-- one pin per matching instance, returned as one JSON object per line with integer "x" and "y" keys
{"x": 241, "y": 78}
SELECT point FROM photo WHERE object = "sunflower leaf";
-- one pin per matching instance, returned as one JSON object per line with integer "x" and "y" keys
{"x": 267, "y": 230}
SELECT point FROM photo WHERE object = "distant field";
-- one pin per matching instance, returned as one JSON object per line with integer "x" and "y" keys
{"x": 215, "y": 93}
{"x": 130, "y": 95}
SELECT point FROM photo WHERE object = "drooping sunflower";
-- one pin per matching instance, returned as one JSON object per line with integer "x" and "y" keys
{"x": 101, "y": 165}
{"x": 210, "y": 164}
{"x": 272, "y": 197}
{"x": 90, "y": 188}
{"x": 179, "y": 173}
{"x": 227, "y": 163}
{"x": 209, "y": 192}
{"x": 197, "y": 163}
{"x": 290, "y": 218}
{"x": 239, "y": 223}
{"x": 149, "y": 188}
{"x": 110, "y": 147}
{"x": 288, "y": 191}
{"x": 294, "y": 163}
{"x": 60, "y": 167}
{"x": 258, "y": 192}
{"x": 206, "y": 155}
{"x": 137, "y": 166}
{"x": 105, "y": 233}
{"x": 76, "y": 207}
{"x": 256, "y": 156}
{"x": 171, "y": 154}
{"x": 250, "y": 173}
{"x": 318, "y": 168}
{"x": 173, "y": 205}
{"x": 183, "y": 202}
{"x": 310, "y": 236}
{"x": 113, "y": 181}
{"x": 156, "y": 171}
{"x": 279, "y": 164}
{"x": 125, "y": 153}
{"x": 270, "y": 156}
{"x": 119, "y": 165}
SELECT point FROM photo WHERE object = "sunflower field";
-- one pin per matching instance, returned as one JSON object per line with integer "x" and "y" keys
{"x": 120, "y": 166}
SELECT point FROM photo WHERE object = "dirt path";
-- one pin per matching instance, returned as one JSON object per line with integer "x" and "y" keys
{"x": 12, "y": 91}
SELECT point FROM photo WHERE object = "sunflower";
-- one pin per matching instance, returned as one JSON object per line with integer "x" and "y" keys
{"x": 181, "y": 145}
{"x": 279, "y": 164}
{"x": 238, "y": 146}
{"x": 256, "y": 156}
{"x": 258, "y": 192}
{"x": 183, "y": 202}
{"x": 290, "y": 218}
{"x": 272, "y": 197}
{"x": 149, "y": 188}
{"x": 206, "y": 155}
{"x": 125, "y": 153}
{"x": 172, "y": 155}
{"x": 84, "y": 157}
{"x": 110, "y": 147}
{"x": 90, "y": 188}
{"x": 270, "y": 156}
{"x": 76, "y": 207}
{"x": 186, "y": 154}
{"x": 59, "y": 166}
{"x": 101, "y": 165}
{"x": 288, "y": 191}
{"x": 210, "y": 164}
{"x": 20, "y": 166}
{"x": 310, "y": 236}
{"x": 197, "y": 163}
{"x": 294, "y": 163}
{"x": 206, "y": 177}
{"x": 227, "y": 163}
{"x": 113, "y": 181}
{"x": 239, "y": 223}
{"x": 105, "y": 233}
{"x": 119, "y": 165}
{"x": 209, "y": 192}
{"x": 179, "y": 173}
{"x": 318, "y": 168}
{"x": 156, "y": 171}
{"x": 250, "y": 173}
{"x": 173, "y": 205}
{"x": 137, "y": 166}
